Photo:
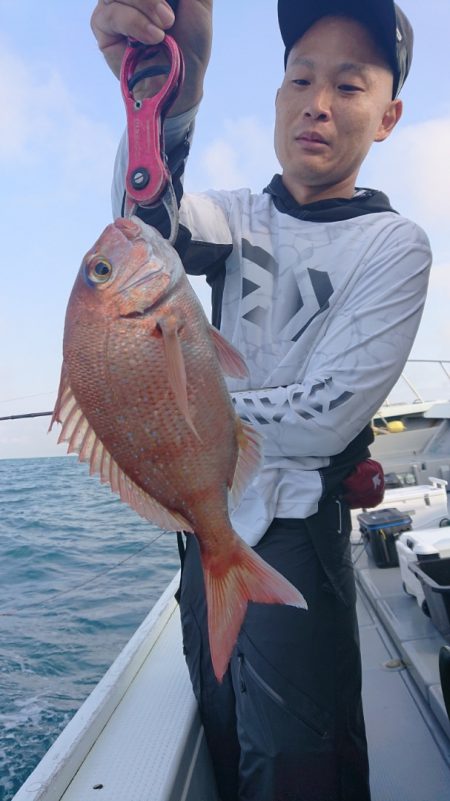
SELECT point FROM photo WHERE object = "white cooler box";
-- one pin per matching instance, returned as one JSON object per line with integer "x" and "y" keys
{"x": 425, "y": 503}
{"x": 417, "y": 545}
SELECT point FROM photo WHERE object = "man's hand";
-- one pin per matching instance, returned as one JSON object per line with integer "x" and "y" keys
{"x": 114, "y": 21}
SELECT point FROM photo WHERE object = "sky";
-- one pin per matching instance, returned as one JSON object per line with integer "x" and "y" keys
{"x": 62, "y": 116}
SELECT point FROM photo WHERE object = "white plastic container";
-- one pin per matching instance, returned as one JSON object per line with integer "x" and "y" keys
{"x": 417, "y": 545}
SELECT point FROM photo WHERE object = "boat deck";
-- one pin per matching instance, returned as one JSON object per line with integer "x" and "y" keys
{"x": 138, "y": 736}
{"x": 407, "y": 726}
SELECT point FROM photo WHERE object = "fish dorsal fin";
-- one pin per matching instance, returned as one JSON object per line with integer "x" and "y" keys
{"x": 248, "y": 461}
{"x": 231, "y": 361}
{"x": 176, "y": 370}
{"x": 82, "y": 439}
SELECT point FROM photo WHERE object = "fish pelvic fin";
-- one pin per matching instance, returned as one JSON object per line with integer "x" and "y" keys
{"x": 230, "y": 360}
{"x": 248, "y": 461}
{"x": 176, "y": 369}
{"x": 82, "y": 439}
{"x": 246, "y": 578}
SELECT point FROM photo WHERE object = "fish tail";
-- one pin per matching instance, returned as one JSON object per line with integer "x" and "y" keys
{"x": 229, "y": 588}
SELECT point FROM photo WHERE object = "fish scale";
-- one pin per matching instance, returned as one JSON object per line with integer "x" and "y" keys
{"x": 143, "y": 399}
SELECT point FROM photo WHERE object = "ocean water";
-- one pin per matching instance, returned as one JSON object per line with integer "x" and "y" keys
{"x": 78, "y": 573}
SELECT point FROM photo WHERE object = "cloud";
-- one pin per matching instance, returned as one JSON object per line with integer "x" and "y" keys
{"x": 412, "y": 168}
{"x": 434, "y": 332}
{"x": 221, "y": 163}
{"x": 28, "y": 438}
{"x": 242, "y": 156}
{"x": 16, "y": 121}
{"x": 42, "y": 127}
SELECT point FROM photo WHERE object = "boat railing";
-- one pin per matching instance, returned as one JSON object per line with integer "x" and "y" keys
{"x": 426, "y": 379}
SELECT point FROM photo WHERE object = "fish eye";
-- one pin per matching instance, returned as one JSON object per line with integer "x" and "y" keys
{"x": 98, "y": 271}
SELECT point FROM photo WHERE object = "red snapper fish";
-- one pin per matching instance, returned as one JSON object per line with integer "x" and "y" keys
{"x": 143, "y": 399}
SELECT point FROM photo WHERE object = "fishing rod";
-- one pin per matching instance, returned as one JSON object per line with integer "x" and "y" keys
{"x": 23, "y": 416}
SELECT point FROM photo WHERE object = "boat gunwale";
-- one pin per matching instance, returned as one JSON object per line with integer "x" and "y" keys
{"x": 55, "y": 771}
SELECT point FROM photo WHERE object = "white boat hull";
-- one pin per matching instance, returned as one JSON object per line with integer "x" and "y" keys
{"x": 138, "y": 735}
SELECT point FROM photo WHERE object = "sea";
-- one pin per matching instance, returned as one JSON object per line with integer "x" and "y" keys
{"x": 79, "y": 571}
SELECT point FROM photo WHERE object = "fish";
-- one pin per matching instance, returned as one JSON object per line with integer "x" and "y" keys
{"x": 143, "y": 399}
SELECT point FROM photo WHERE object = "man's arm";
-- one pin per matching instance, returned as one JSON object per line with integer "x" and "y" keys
{"x": 114, "y": 21}
{"x": 349, "y": 374}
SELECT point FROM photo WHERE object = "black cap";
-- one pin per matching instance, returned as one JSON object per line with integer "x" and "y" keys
{"x": 388, "y": 24}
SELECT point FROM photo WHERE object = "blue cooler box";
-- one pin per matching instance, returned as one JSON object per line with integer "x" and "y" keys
{"x": 381, "y": 529}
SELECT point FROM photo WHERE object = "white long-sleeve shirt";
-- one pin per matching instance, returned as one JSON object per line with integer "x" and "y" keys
{"x": 324, "y": 304}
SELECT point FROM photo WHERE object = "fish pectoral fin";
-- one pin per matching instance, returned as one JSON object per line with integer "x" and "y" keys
{"x": 176, "y": 368}
{"x": 230, "y": 360}
{"x": 82, "y": 439}
{"x": 248, "y": 461}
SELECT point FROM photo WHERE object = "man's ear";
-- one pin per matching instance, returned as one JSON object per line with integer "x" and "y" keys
{"x": 390, "y": 119}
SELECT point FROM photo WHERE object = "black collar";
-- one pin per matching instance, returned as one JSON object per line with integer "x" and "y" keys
{"x": 365, "y": 201}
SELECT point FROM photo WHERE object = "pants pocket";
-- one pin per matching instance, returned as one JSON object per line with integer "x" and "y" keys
{"x": 278, "y": 711}
{"x": 287, "y": 743}
{"x": 305, "y": 712}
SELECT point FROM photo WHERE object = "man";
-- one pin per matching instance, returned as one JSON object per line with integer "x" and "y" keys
{"x": 321, "y": 286}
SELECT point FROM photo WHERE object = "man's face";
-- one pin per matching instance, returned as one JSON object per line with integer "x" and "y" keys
{"x": 335, "y": 101}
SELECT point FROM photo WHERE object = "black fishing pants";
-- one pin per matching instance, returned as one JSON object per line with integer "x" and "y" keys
{"x": 286, "y": 723}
